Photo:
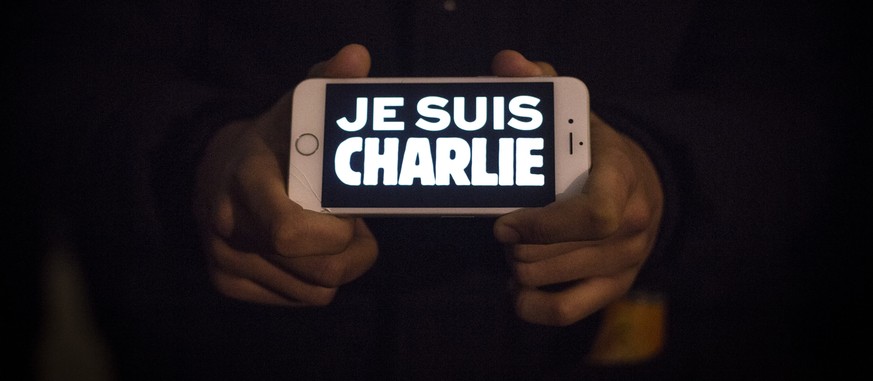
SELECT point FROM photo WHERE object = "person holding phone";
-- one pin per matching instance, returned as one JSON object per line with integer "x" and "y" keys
{"x": 710, "y": 166}
{"x": 309, "y": 254}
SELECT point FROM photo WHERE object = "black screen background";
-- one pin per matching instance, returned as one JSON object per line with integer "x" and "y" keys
{"x": 341, "y": 102}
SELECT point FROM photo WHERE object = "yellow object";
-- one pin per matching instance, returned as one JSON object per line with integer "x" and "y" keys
{"x": 633, "y": 330}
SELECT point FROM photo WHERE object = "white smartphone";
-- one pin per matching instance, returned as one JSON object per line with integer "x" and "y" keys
{"x": 471, "y": 146}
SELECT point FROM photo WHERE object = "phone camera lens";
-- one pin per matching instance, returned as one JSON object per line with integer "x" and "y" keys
{"x": 570, "y": 121}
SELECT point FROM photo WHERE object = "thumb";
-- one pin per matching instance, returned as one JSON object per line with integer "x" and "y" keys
{"x": 535, "y": 225}
{"x": 351, "y": 61}
{"x": 571, "y": 219}
{"x": 511, "y": 63}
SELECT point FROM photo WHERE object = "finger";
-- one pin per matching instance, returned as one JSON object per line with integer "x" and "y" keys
{"x": 633, "y": 232}
{"x": 605, "y": 259}
{"x": 338, "y": 269}
{"x": 351, "y": 61}
{"x": 572, "y": 304}
{"x": 288, "y": 229}
{"x": 248, "y": 276}
{"x": 584, "y": 217}
{"x": 595, "y": 213}
{"x": 246, "y": 290}
{"x": 534, "y": 253}
{"x": 510, "y": 63}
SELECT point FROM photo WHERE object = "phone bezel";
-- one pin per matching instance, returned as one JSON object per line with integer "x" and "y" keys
{"x": 572, "y": 151}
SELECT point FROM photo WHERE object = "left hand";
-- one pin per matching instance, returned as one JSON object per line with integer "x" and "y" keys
{"x": 593, "y": 244}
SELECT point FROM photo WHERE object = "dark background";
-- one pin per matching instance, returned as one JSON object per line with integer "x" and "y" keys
{"x": 812, "y": 302}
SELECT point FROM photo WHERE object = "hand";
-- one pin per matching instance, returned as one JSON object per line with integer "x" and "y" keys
{"x": 590, "y": 247}
{"x": 261, "y": 246}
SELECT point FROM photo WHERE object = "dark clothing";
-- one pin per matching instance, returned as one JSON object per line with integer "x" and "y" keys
{"x": 736, "y": 105}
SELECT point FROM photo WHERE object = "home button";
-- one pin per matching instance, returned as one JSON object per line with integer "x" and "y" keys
{"x": 306, "y": 144}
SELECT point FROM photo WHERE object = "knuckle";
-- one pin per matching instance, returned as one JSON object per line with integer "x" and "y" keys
{"x": 222, "y": 217}
{"x": 563, "y": 312}
{"x": 220, "y": 261}
{"x": 321, "y": 298}
{"x": 604, "y": 220}
{"x": 525, "y": 274}
{"x": 285, "y": 237}
{"x": 638, "y": 216}
{"x": 228, "y": 285}
{"x": 551, "y": 310}
{"x": 329, "y": 272}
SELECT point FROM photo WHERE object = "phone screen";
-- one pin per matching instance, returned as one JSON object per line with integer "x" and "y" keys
{"x": 440, "y": 145}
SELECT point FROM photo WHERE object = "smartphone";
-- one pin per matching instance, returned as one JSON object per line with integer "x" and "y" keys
{"x": 434, "y": 146}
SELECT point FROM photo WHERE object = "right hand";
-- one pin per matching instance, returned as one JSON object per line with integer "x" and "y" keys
{"x": 262, "y": 247}
{"x": 591, "y": 245}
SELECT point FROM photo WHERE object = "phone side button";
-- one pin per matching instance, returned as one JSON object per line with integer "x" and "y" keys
{"x": 306, "y": 144}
